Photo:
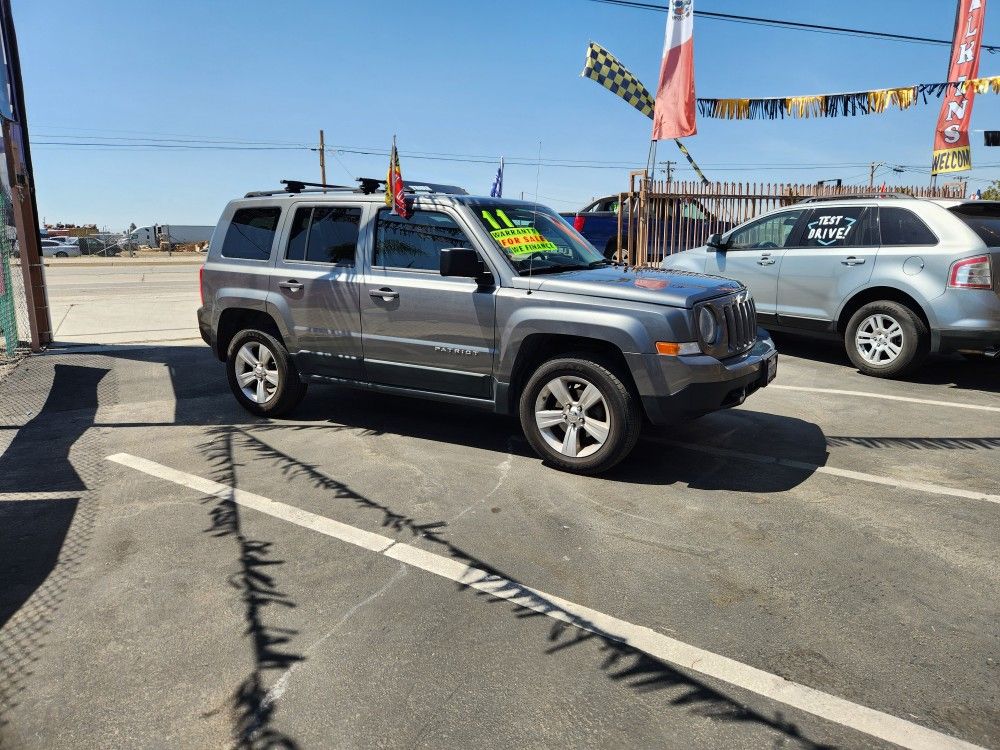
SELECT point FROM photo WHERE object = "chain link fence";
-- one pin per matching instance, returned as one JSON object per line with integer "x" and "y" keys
{"x": 15, "y": 336}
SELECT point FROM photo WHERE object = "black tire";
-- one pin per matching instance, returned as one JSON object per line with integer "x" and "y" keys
{"x": 288, "y": 391}
{"x": 621, "y": 404}
{"x": 913, "y": 347}
{"x": 61, "y": 254}
{"x": 610, "y": 250}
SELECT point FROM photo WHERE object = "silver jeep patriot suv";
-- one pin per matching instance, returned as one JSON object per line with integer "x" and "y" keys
{"x": 493, "y": 303}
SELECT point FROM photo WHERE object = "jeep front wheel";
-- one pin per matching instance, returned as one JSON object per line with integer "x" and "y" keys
{"x": 578, "y": 414}
{"x": 261, "y": 374}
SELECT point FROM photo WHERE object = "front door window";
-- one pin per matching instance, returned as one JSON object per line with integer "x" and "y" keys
{"x": 769, "y": 232}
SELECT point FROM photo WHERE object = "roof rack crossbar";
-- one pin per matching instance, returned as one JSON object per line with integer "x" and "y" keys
{"x": 366, "y": 185}
{"x": 374, "y": 184}
{"x": 853, "y": 196}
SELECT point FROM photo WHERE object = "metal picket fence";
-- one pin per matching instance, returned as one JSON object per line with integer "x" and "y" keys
{"x": 659, "y": 218}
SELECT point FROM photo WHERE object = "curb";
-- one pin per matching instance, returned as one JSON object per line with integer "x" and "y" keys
{"x": 49, "y": 263}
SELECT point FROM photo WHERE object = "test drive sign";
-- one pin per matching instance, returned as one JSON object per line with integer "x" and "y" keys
{"x": 951, "y": 139}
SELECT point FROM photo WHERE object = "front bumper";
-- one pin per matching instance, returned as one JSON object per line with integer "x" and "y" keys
{"x": 674, "y": 389}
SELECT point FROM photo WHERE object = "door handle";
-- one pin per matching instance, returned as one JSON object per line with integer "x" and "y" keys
{"x": 765, "y": 260}
{"x": 385, "y": 294}
{"x": 852, "y": 261}
{"x": 291, "y": 285}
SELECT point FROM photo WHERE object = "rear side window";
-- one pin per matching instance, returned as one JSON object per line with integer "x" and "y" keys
{"x": 901, "y": 227}
{"x": 847, "y": 226}
{"x": 983, "y": 218}
{"x": 324, "y": 234}
{"x": 251, "y": 233}
{"x": 416, "y": 242}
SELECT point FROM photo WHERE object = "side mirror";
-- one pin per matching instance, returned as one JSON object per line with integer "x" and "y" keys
{"x": 716, "y": 241}
{"x": 461, "y": 261}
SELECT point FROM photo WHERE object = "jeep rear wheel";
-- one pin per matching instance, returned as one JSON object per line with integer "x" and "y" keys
{"x": 886, "y": 339}
{"x": 261, "y": 374}
{"x": 578, "y": 414}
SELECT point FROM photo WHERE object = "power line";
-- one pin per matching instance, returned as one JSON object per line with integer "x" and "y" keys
{"x": 797, "y": 25}
{"x": 170, "y": 146}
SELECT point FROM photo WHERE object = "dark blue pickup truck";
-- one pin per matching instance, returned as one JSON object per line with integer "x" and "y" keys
{"x": 690, "y": 224}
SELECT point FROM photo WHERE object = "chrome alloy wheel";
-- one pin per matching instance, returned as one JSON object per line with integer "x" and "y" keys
{"x": 572, "y": 416}
{"x": 257, "y": 372}
{"x": 879, "y": 339}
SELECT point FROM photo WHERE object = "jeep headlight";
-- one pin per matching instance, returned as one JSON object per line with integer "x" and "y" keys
{"x": 708, "y": 326}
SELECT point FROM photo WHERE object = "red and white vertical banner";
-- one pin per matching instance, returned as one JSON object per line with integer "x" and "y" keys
{"x": 952, "y": 152}
{"x": 674, "y": 112}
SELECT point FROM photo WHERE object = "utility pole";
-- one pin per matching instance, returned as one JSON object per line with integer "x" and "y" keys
{"x": 871, "y": 173}
{"x": 668, "y": 169}
{"x": 322, "y": 160}
{"x": 18, "y": 154}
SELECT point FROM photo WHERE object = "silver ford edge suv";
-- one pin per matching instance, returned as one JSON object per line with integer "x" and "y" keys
{"x": 896, "y": 278}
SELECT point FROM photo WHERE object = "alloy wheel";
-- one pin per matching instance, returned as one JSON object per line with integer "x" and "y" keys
{"x": 257, "y": 372}
{"x": 572, "y": 416}
{"x": 879, "y": 339}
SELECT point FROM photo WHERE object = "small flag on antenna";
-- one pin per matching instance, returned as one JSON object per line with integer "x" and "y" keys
{"x": 394, "y": 195}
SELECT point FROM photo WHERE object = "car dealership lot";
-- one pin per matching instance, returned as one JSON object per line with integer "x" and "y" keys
{"x": 836, "y": 532}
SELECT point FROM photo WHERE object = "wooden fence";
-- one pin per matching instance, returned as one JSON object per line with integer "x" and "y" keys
{"x": 659, "y": 218}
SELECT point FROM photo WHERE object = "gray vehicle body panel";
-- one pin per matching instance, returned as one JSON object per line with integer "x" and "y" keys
{"x": 454, "y": 339}
{"x": 814, "y": 289}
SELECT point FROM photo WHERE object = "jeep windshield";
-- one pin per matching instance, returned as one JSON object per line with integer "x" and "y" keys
{"x": 536, "y": 239}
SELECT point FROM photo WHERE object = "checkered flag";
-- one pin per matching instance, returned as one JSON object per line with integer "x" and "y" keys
{"x": 603, "y": 67}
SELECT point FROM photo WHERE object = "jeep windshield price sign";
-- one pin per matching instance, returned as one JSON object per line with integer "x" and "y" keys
{"x": 518, "y": 240}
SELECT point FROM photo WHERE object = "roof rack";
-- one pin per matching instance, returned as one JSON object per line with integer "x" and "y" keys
{"x": 371, "y": 185}
{"x": 366, "y": 185}
{"x": 297, "y": 186}
{"x": 853, "y": 196}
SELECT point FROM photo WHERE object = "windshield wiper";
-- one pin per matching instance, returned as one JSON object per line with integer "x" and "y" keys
{"x": 599, "y": 263}
{"x": 556, "y": 269}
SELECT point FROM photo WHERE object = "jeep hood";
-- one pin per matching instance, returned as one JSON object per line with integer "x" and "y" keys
{"x": 675, "y": 288}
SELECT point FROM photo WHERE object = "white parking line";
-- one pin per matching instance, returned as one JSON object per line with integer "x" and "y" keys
{"x": 15, "y": 496}
{"x": 861, "y": 718}
{"x": 935, "y": 489}
{"x": 866, "y": 394}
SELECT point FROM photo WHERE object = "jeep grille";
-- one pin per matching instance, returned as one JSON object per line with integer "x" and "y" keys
{"x": 737, "y": 318}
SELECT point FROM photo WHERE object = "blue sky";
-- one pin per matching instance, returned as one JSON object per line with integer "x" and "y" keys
{"x": 447, "y": 76}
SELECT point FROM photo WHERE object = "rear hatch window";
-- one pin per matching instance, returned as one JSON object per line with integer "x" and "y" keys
{"x": 983, "y": 218}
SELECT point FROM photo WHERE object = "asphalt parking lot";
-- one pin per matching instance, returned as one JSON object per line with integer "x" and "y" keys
{"x": 816, "y": 568}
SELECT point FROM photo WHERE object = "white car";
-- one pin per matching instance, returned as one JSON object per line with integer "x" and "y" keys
{"x": 57, "y": 249}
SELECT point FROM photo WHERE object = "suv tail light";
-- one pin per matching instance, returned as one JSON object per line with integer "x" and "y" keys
{"x": 201, "y": 284}
{"x": 971, "y": 273}
{"x": 578, "y": 222}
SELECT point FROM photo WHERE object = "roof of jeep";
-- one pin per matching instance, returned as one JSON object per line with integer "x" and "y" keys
{"x": 354, "y": 196}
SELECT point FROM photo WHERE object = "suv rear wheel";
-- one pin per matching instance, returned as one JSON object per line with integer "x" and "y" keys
{"x": 579, "y": 415}
{"x": 261, "y": 374}
{"x": 886, "y": 339}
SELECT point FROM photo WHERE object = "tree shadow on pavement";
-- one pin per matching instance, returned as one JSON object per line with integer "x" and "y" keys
{"x": 258, "y": 588}
{"x": 621, "y": 662}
